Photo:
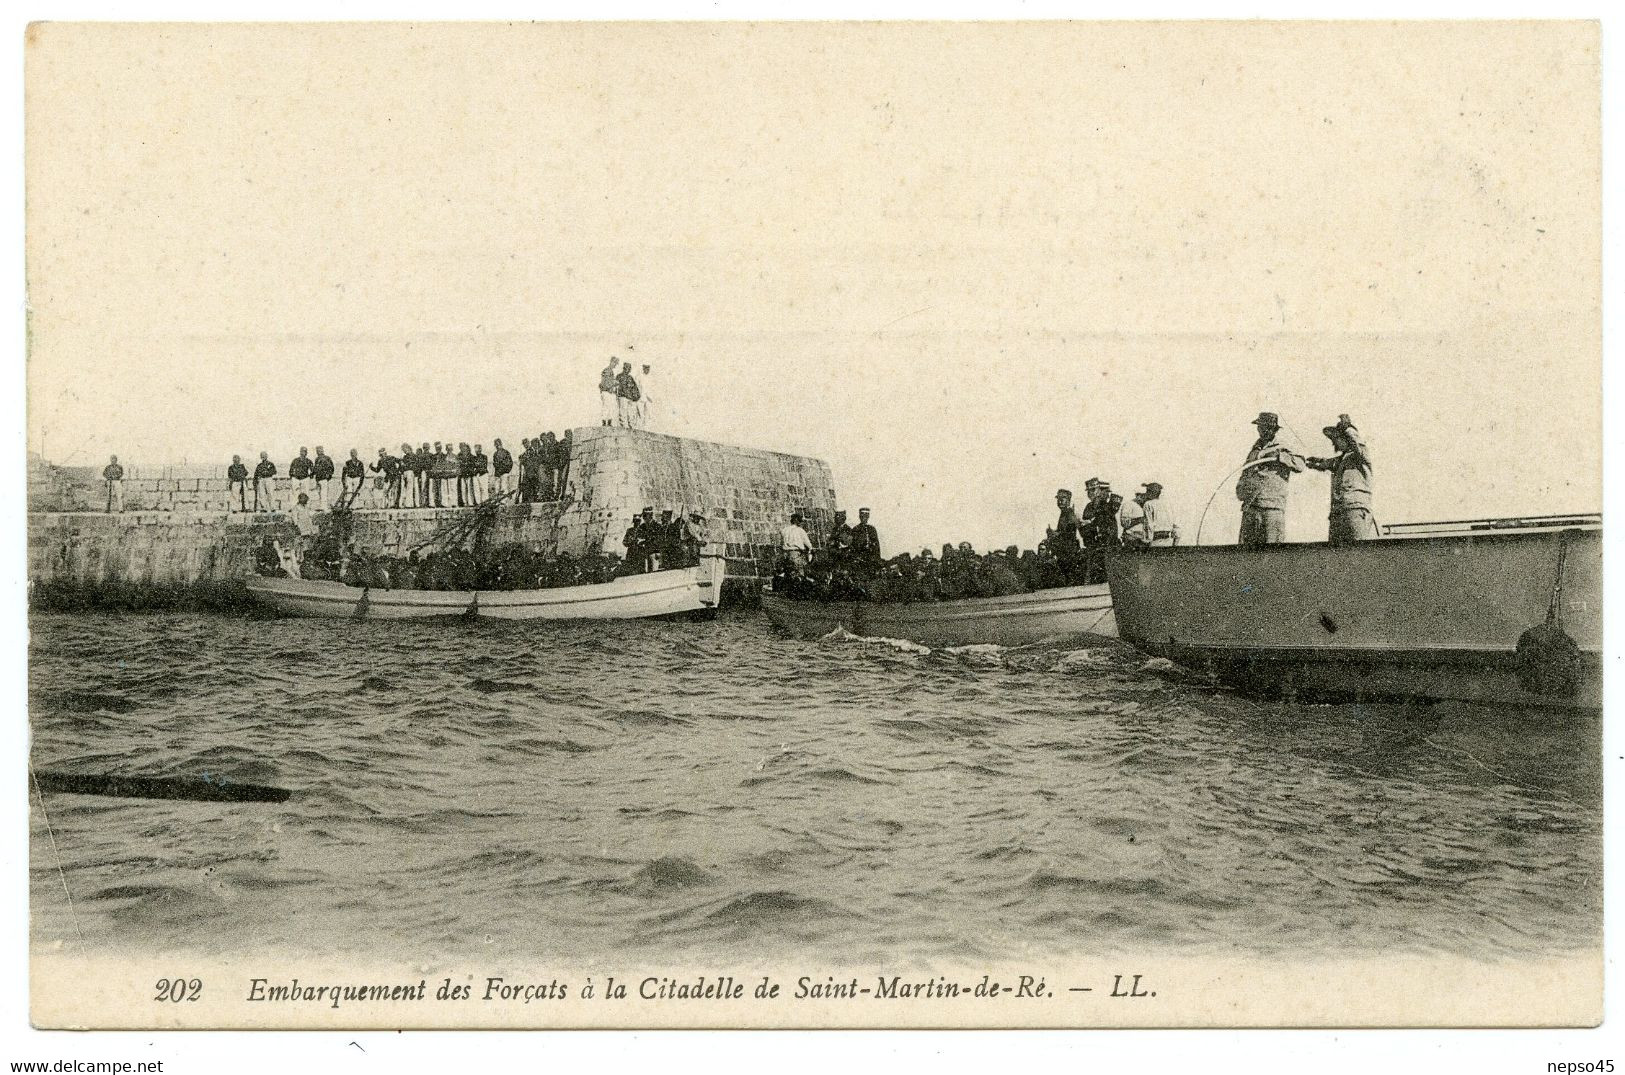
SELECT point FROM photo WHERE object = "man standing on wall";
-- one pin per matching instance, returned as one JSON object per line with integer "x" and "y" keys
{"x": 608, "y": 396}
{"x": 389, "y": 468}
{"x": 299, "y": 471}
{"x": 113, "y": 475}
{"x": 627, "y": 394}
{"x": 354, "y": 477}
{"x": 321, "y": 473}
{"x": 482, "y": 475}
{"x": 643, "y": 399}
{"x": 409, "y": 481}
{"x": 423, "y": 470}
{"x": 237, "y": 483}
{"x": 264, "y": 475}
{"x": 502, "y": 467}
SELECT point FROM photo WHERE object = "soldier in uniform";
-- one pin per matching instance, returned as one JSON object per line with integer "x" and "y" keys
{"x": 1350, "y": 468}
{"x": 865, "y": 545}
{"x": 1062, "y": 541}
{"x": 1097, "y": 527}
{"x": 1263, "y": 484}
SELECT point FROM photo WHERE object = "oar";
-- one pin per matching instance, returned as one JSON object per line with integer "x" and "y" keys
{"x": 142, "y": 787}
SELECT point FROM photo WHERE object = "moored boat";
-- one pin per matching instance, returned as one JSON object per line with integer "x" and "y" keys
{"x": 1012, "y": 620}
{"x": 683, "y": 591}
{"x": 1505, "y": 611}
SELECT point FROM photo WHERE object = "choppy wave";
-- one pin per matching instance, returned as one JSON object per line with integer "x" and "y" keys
{"x": 664, "y": 790}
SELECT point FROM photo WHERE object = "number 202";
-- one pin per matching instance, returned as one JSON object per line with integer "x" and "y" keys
{"x": 176, "y": 990}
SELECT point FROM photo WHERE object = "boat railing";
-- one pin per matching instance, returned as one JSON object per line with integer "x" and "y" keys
{"x": 1467, "y": 526}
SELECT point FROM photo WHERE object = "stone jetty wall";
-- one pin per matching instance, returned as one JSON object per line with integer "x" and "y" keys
{"x": 179, "y": 544}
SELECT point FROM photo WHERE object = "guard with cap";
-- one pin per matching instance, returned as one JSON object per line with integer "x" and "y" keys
{"x": 1262, "y": 486}
{"x": 1062, "y": 540}
{"x": 1097, "y": 527}
{"x": 865, "y": 544}
{"x": 1351, "y": 519}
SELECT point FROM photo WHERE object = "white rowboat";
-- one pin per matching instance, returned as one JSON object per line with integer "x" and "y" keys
{"x": 1013, "y": 620}
{"x": 689, "y": 590}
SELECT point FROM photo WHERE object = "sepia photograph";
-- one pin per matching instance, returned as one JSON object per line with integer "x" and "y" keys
{"x": 833, "y": 524}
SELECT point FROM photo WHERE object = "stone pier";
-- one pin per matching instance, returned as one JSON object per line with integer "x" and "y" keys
{"x": 179, "y": 544}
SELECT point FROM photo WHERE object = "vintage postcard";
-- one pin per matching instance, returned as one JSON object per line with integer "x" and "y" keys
{"x": 1046, "y": 524}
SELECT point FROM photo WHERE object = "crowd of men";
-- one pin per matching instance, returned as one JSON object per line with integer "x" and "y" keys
{"x": 623, "y": 397}
{"x": 437, "y": 475}
{"x": 510, "y": 566}
{"x": 665, "y": 543}
{"x": 850, "y": 565}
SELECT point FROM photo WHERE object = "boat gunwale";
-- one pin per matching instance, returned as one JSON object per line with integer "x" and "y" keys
{"x": 963, "y": 607}
{"x": 460, "y": 601}
{"x": 1509, "y": 534}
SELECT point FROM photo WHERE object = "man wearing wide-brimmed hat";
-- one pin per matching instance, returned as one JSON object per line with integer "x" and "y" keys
{"x": 1351, "y": 518}
{"x": 1262, "y": 485}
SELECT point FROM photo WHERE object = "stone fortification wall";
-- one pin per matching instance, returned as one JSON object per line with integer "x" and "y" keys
{"x": 178, "y": 544}
{"x": 747, "y": 495}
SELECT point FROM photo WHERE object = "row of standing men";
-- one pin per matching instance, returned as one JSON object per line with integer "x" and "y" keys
{"x": 433, "y": 476}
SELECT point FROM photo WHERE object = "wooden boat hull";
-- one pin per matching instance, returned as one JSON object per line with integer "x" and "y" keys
{"x": 1016, "y": 620}
{"x": 693, "y": 590}
{"x": 1431, "y": 616}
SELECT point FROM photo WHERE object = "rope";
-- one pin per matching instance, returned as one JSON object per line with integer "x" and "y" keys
{"x": 1222, "y": 483}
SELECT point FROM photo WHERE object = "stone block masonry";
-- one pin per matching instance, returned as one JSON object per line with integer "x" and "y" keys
{"x": 178, "y": 544}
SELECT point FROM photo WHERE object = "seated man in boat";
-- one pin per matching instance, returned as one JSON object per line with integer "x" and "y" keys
{"x": 1350, "y": 468}
{"x": 1262, "y": 485}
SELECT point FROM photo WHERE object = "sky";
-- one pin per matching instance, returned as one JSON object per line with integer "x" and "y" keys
{"x": 965, "y": 264}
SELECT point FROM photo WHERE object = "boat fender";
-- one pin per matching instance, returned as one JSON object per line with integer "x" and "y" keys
{"x": 1549, "y": 661}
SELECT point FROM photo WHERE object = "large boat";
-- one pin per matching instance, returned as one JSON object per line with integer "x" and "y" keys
{"x": 689, "y": 591}
{"x": 1506, "y": 611}
{"x": 1013, "y": 620}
